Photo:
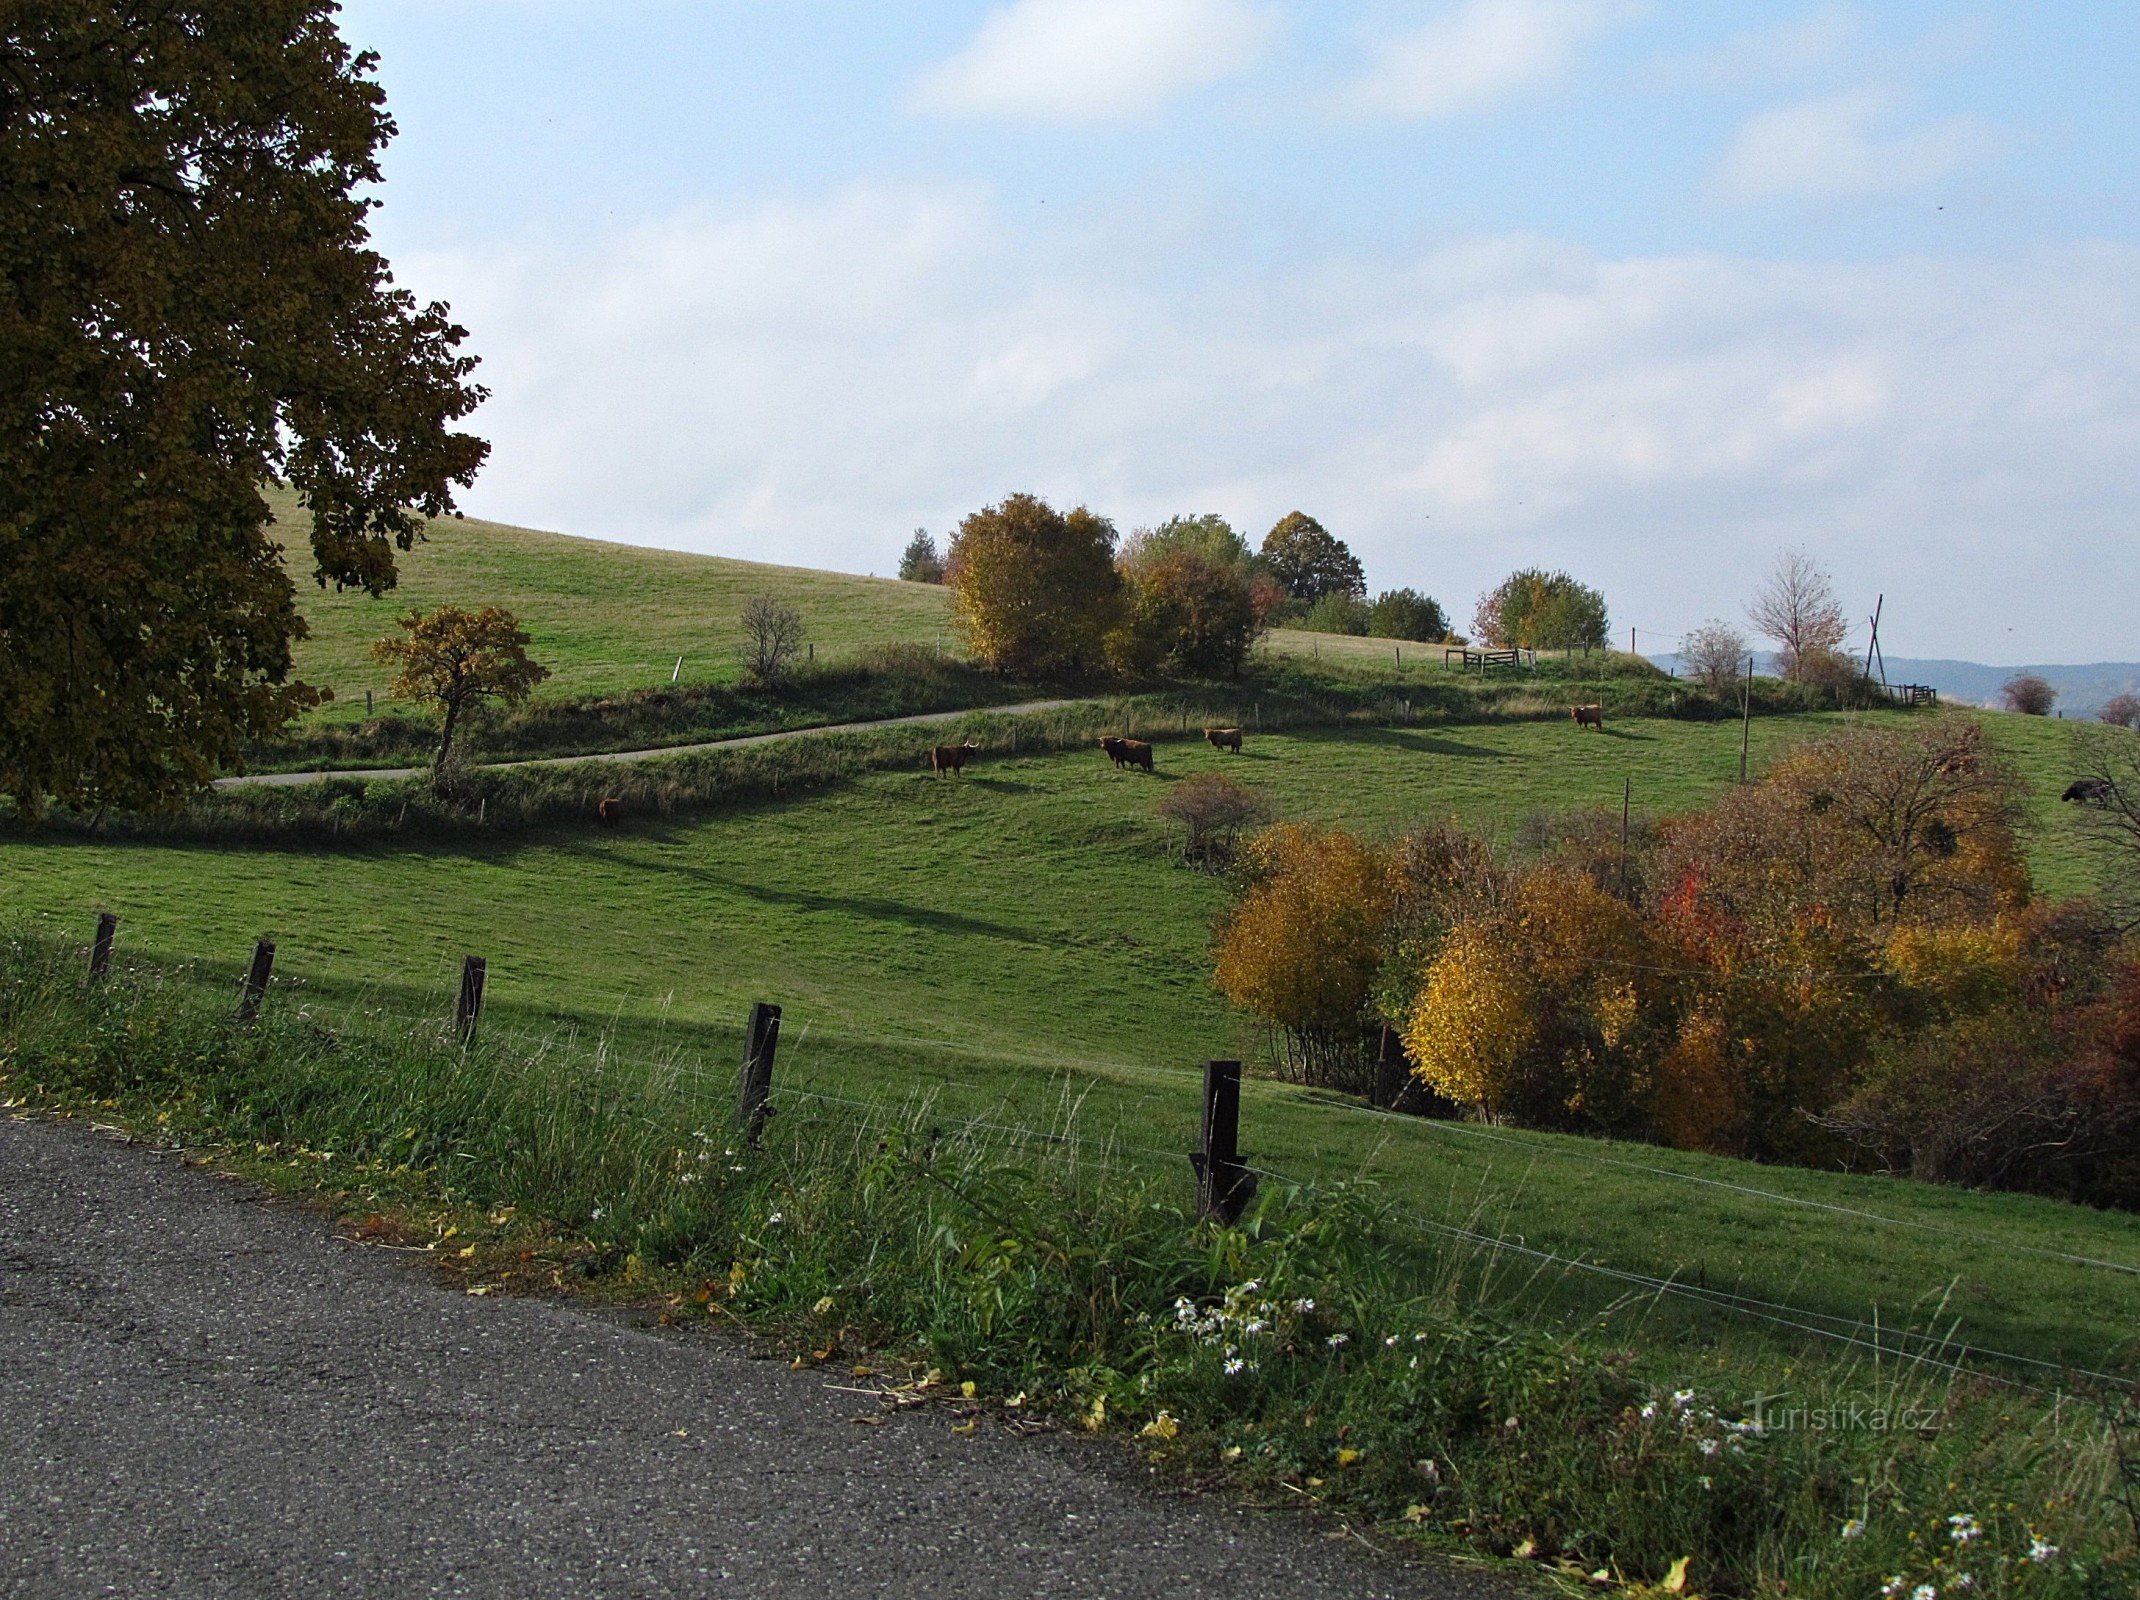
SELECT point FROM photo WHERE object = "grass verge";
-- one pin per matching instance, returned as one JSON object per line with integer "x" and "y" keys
{"x": 1321, "y": 1349}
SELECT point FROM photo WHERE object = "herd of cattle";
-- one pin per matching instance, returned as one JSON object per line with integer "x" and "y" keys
{"x": 1125, "y": 752}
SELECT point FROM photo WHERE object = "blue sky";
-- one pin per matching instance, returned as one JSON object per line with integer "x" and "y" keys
{"x": 1641, "y": 288}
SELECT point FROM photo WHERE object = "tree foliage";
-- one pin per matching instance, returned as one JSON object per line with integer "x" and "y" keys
{"x": 1538, "y": 610}
{"x": 1212, "y": 810}
{"x": 1210, "y": 538}
{"x": 1796, "y": 608}
{"x": 1302, "y": 947}
{"x": 920, "y": 562}
{"x": 1335, "y": 612}
{"x": 454, "y": 659}
{"x": 1187, "y": 615}
{"x": 1034, "y": 589}
{"x": 1310, "y": 560}
{"x": 2120, "y": 711}
{"x": 1407, "y": 614}
{"x": 189, "y": 306}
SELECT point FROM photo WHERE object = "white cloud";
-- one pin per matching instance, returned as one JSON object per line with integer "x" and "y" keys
{"x": 1094, "y": 60}
{"x": 1476, "y": 55}
{"x": 808, "y": 381}
{"x": 1843, "y": 147}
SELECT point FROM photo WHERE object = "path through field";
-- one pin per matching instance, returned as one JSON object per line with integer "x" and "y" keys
{"x": 290, "y": 779}
{"x": 207, "y": 1394}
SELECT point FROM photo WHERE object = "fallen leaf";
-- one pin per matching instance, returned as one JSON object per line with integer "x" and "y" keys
{"x": 467, "y": 1252}
{"x": 1675, "y": 1581}
{"x": 867, "y": 1422}
{"x": 967, "y": 1427}
{"x": 967, "y": 1389}
{"x": 1525, "y": 1550}
{"x": 483, "y": 1288}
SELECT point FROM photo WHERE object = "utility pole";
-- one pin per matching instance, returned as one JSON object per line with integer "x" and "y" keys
{"x": 1746, "y": 717}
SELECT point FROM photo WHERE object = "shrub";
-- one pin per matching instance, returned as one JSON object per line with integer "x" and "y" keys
{"x": 1335, "y": 613}
{"x": 1407, "y": 614}
{"x": 1034, "y": 589}
{"x": 1716, "y": 657}
{"x": 1538, "y": 610}
{"x": 2028, "y": 694}
{"x": 2120, "y": 711}
{"x": 772, "y": 639}
{"x": 1211, "y": 810}
{"x": 1302, "y": 946}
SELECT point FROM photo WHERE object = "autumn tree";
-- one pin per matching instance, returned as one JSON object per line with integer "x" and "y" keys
{"x": 2120, "y": 711}
{"x": 1716, "y": 657}
{"x": 773, "y": 635}
{"x": 455, "y": 660}
{"x": 1185, "y": 614}
{"x": 1212, "y": 810}
{"x": 1302, "y": 947}
{"x": 1796, "y": 608}
{"x": 919, "y": 562}
{"x": 1310, "y": 560}
{"x": 1034, "y": 589}
{"x": 1538, "y": 610}
{"x": 191, "y": 308}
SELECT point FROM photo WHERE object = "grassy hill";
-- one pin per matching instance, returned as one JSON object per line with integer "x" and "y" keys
{"x": 604, "y": 616}
{"x": 1019, "y": 938}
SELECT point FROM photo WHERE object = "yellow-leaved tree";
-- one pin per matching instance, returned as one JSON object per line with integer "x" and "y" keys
{"x": 1034, "y": 589}
{"x": 454, "y": 659}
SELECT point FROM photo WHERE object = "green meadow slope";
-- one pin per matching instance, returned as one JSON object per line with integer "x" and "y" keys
{"x": 1020, "y": 938}
{"x": 604, "y": 616}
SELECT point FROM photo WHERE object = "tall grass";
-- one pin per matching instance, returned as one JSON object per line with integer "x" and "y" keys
{"x": 1321, "y": 1346}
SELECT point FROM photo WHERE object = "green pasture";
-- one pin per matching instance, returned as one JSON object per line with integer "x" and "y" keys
{"x": 603, "y": 616}
{"x": 1019, "y": 941}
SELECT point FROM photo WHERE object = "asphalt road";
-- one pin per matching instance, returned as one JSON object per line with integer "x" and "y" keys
{"x": 287, "y": 780}
{"x": 204, "y": 1393}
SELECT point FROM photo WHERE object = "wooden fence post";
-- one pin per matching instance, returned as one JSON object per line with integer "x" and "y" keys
{"x": 1223, "y": 1185}
{"x": 100, "y": 951}
{"x": 754, "y": 1087}
{"x": 256, "y": 980}
{"x": 469, "y": 1007}
{"x": 1393, "y": 1073}
{"x": 367, "y": 702}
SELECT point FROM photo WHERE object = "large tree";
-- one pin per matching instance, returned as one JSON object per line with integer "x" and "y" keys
{"x": 1034, "y": 589}
{"x": 189, "y": 307}
{"x": 1538, "y": 610}
{"x": 1311, "y": 561}
{"x": 455, "y": 660}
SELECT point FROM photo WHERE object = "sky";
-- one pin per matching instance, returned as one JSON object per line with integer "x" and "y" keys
{"x": 1642, "y": 289}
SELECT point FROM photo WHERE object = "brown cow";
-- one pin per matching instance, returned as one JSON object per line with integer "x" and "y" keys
{"x": 949, "y": 758}
{"x": 609, "y": 812}
{"x": 1135, "y": 753}
{"x": 1588, "y": 717}
{"x": 1224, "y": 739}
{"x": 1112, "y": 744}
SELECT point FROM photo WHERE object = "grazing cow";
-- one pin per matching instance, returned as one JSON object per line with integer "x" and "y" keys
{"x": 949, "y": 758}
{"x": 1134, "y": 753}
{"x": 1224, "y": 739}
{"x": 2089, "y": 792}
{"x": 609, "y": 812}
{"x": 1588, "y": 717}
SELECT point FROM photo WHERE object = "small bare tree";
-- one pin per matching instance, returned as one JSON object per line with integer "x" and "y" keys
{"x": 1796, "y": 607}
{"x": 2121, "y": 711}
{"x": 2028, "y": 694}
{"x": 772, "y": 639}
{"x": 1715, "y": 654}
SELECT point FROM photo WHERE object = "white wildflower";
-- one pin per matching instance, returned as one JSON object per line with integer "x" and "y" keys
{"x": 1337, "y": 1340}
{"x": 2040, "y": 1550}
{"x": 1854, "y": 1528}
{"x": 1962, "y": 1528}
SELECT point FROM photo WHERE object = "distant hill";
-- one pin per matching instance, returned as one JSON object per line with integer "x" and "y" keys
{"x": 2082, "y": 690}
